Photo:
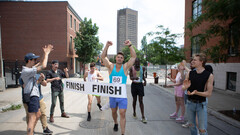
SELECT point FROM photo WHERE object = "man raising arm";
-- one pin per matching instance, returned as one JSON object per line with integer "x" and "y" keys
{"x": 118, "y": 74}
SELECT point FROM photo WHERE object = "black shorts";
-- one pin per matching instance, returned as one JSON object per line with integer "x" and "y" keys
{"x": 137, "y": 89}
{"x": 33, "y": 104}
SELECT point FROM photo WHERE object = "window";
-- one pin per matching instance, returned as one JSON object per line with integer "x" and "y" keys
{"x": 195, "y": 46}
{"x": 71, "y": 21}
{"x": 231, "y": 80}
{"x": 233, "y": 41}
{"x": 71, "y": 63}
{"x": 75, "y": 24}
{"x": 79, "y": 26}
{"x": 196, "y": 9}
{"x": 70, "y": 44}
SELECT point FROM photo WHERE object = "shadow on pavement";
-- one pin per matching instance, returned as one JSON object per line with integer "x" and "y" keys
{"x": 233, "y": 114}
{"x": 13, "y": 132}
{"x": 80, "y": 115}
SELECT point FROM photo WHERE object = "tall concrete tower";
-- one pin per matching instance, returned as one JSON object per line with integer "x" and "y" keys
{"x": 127, "y": 27}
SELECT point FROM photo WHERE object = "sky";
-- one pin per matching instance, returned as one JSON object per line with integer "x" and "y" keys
{"x": 151, "y": 13}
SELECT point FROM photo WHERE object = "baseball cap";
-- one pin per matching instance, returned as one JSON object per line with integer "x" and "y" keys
{"x": 30, "y": 56}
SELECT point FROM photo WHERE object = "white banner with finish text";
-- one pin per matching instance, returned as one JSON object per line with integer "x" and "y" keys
{"x": 96, "y": 88}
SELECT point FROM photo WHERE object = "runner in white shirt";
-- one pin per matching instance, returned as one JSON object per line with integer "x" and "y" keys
{"x": 93, "y": 76}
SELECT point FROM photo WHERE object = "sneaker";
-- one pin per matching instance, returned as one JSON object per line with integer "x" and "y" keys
{"x": 144, "y": 120}
{"x": 135, "y": 116}
{"x": 180, "y": 119}
{"x": 47, "y": 131}
{"x": 106, "y": 106}
{"x": 64, "y": 115}
{"x": 100, "y": 107}
{"x": 198, "y": 133}
{"x": 51, "y": 118}
{"x": 115, "y": 128}
{"x": 173, "y": 116}
{"x": 89, "y": 118}
{"x": 186, "y": 125}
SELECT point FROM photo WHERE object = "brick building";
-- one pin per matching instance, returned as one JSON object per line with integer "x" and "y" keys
{"x": 226, "y": 75}
{"x": 28, "y": 26}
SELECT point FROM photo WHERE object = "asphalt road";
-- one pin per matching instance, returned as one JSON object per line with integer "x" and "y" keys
{"x": 158, "y": 105}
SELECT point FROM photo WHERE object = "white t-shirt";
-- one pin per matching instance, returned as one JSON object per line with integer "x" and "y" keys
{"x": 29, "y": 77}
{"x": 90, "y": 76}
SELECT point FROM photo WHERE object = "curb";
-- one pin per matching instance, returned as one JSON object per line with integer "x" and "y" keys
{"x": 220, "y": 116}
{"x": 211, "y": 111}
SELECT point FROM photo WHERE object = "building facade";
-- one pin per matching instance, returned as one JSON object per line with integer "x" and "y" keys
{"x": 226, "y": 75}
{"x": 127, "y": 27}
{"x": 28, "y": 26}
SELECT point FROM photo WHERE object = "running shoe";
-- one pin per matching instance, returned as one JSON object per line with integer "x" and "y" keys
{"x": 100, "y": 107}
{"x": 106, "y": 106}
{"x": 89, "y": 118}
{"x": 115, "y": 127}
{"x": 135, "y": 116}
{"x": 180, "y": 119}
{"x": 173, "y": 115}
{"x": 144, "y": 120}
{"x": 186, "y": 125}
{"x": 47, "y": 131}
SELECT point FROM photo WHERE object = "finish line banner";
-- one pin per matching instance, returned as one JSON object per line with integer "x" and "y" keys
{"x": 96, "y": 88}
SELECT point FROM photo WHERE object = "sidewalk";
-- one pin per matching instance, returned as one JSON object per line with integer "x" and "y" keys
{"x": 219, "y": 101}
{"x": 13, "y": 96}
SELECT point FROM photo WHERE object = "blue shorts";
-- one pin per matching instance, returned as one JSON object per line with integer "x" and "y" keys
{"x": 121, "y": 103}
{"x": 33, "y": 104}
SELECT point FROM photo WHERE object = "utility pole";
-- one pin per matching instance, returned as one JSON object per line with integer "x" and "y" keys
{"x": 166, "y": 74}
{"x": 2, "y": 81}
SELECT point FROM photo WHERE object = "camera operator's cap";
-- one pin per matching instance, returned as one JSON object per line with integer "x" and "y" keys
{"x": 54, "y": 61}
{"x": 30, "y": 56}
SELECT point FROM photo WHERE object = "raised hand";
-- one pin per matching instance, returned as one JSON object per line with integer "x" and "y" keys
{"x": 48, "y": 48}
{"x": 127, "y": 43}
{"x": 109, "y": 43}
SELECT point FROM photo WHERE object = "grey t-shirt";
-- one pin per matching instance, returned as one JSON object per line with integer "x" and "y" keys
{"x": 29, "y": 77}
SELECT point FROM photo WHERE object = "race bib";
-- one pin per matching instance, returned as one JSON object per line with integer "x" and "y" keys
{"x": 117, "y": 79}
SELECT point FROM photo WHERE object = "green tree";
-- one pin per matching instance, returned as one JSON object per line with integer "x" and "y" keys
{"x": 139, "y": 54}
{"x": 126, "y": 53}
{"x": 155, "y": 53}
{"x": 87, "y": 43}
{"x": 162, "y": 48}
{"x": 113, "y": 60}
{"x": 224, "y": 18}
